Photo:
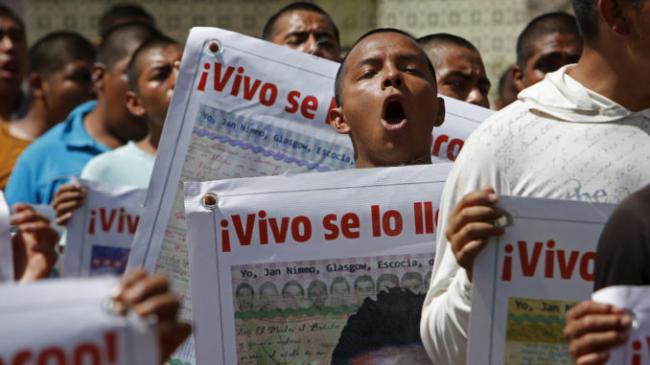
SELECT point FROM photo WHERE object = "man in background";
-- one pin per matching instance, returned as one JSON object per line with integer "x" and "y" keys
{"x": 460, "y": 72}
{"x": 304, "y": 27}
{"x": 13, "y": 59}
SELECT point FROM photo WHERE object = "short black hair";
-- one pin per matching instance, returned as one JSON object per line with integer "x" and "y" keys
{"x": 340, "y": 279}
{"x": 6, "y": 12}
{"x": 361, "y": 278}
{"x": 339, "y": 74}
{"x": 133, "y": 70}
{"x": 391, "y": 320}
{"x": 122, "y": 40}
{"x": 549, "y": 23}
{"x": 443, "y": 39}
{"x": 587, "y": 16}
{"x": 316, "y": 284}
{"x": 55, "y": 50}
{"x": 269, "y": 28}
{"x": 123, "y": 13}
{"x": 387, "y": 277}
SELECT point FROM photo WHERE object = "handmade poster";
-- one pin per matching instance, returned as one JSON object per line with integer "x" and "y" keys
{"x": 101, "y": 231}
{"x": 635, "y": 300}
{"x": 6, "y": 251}
{"x": 526, "y": 280}
{"x": 280, "y": 263}
{"x": 67, "y": 321}
{"x": 244, "y": 107}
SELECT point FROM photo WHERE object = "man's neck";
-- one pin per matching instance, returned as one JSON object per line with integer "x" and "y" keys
{"x": 614, "y": 76}
{"x": 96, "y": 126}
{"x": 9, "y": 104}
{"x": 362, "y": 162}
{"x": 147, "y": 145}
{"x": 34, "y": 124}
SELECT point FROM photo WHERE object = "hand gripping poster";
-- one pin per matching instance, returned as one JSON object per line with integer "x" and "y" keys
{"x": 101, "y": 231}
{"x": 245, "y": 107}
{"x": 312, "y": 268}
{"x": 67, "y": 321}
{"x": 6, "y": 249}
{"x": 635, "y": 300}
{"x": 526, "y": 280}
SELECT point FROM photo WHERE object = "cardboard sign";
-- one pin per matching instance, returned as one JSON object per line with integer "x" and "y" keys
{"x": 66, "y": 322}
{"x": 100, "y": 233}
{"x": 526, "y": 280}
{"x": 279, "y": 263}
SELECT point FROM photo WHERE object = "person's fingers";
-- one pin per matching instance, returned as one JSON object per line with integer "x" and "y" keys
{"x": 596, "y": 342}
{"x": 27, "y": 215}
{"x": 144, "y": 289}
{"x": 164, "y": 306}
{"x": 485, "y": 196}
{"x": 473, "y": 231}
{"x": 590, "y": 307}
{"x": 466, "y": 255}
{"x": 19, "y": 207}
{"x": 595, "y": 323}
{"x": 171, "y": 334}
{"x": 67, "y": 188}
{"x": 63, "y": 220}
{"x": 474, "y": 214}
{"x": 593, "y": 359}
{"x": 68, "y": 205}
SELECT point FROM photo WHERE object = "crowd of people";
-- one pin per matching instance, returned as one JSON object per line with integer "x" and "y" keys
{"x": 574, "y": 124}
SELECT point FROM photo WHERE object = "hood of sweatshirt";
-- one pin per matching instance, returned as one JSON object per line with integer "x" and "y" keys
{"x": 562, "y": 97}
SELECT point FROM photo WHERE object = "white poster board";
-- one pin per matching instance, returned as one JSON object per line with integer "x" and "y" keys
{"x": 101, "y": 231}
{"x": 67, "y": 322}
{"x": 636, "y": 301}
{"x": 279, "y": 263}
{"x": 245, "y": 107}
{"x": 6, "y": 249}
{"x": 525, "y": 280}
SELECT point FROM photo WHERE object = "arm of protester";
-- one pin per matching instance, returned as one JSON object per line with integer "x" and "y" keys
{"x": 67, "y": 199}
{"x": 445, "y": 315}
{"x": 149, "y": 295}
{"x": 593, "y": 329}
{"x": 34, "y": 245}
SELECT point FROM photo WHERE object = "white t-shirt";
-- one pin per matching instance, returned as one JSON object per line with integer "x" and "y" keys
{"x": 560, "y": 141}
{"x": 127, "y": 165}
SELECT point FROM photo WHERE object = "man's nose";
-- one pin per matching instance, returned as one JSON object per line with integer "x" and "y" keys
{"x": 312, "y": 46}
{"x": 392, "y": 78}
{"x": 6, "y": 43}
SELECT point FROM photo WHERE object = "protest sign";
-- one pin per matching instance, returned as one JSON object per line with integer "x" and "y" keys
{"x": 66, "y": 322}
{"x": 635, "y": 300}
{"x": 244, "y": 107}
{"x": 101, "y": 231}
{"x": 279, "y": 263}
{"x": 6, "y": 249}
{"x": 525, "y": 280}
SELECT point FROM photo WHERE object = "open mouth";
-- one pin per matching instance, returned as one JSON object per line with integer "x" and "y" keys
{"x": 393, "y": 116}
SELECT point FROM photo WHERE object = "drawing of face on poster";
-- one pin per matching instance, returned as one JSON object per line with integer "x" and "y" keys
{"x": 293, "y": 295}
{"x": 317, "y": 293}
{"x": 339, "y": 292}
{"x": 364, "y": 287}
{"x": 269, "y": 297}
{"x": 245, "y": 297}
{"x": 386, "y": 282}
{"x": 413, "y": 281}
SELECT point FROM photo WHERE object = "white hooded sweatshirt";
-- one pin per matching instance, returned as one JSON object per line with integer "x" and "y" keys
{"x": 559, "y": 141}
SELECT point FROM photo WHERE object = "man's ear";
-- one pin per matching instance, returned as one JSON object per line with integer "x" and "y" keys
{"x": 518, "y": 78}
{"x": 440, "y": 118}
{"x": 98, "y": 72}
{"x": 134, "y": 105}
{"x": 613, "y": 14}
{"x": 337, "y": 120}
{"x": 36, "y": 85}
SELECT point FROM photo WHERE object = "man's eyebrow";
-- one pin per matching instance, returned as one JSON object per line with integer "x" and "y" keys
{"x": 369, "y": 61}
{"x": 411, "y": 57}
{"x": 458, "y": 73}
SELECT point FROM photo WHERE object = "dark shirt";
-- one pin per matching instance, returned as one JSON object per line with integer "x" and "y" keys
{"x": 623, "y": 256}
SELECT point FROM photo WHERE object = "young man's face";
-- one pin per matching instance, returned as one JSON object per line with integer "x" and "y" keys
{"x": 460, "y": 74}
{"x": 65, "y": 89}
{"x": 389, "y": 102}
{"x": 157, "y": 79}
{"x": 364, "y": 289}
{"x": 550, "y": 52}
{"x": 121, "y": 122}
{"x": 307, "y": 32}
{"x": 13, "y": 54}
